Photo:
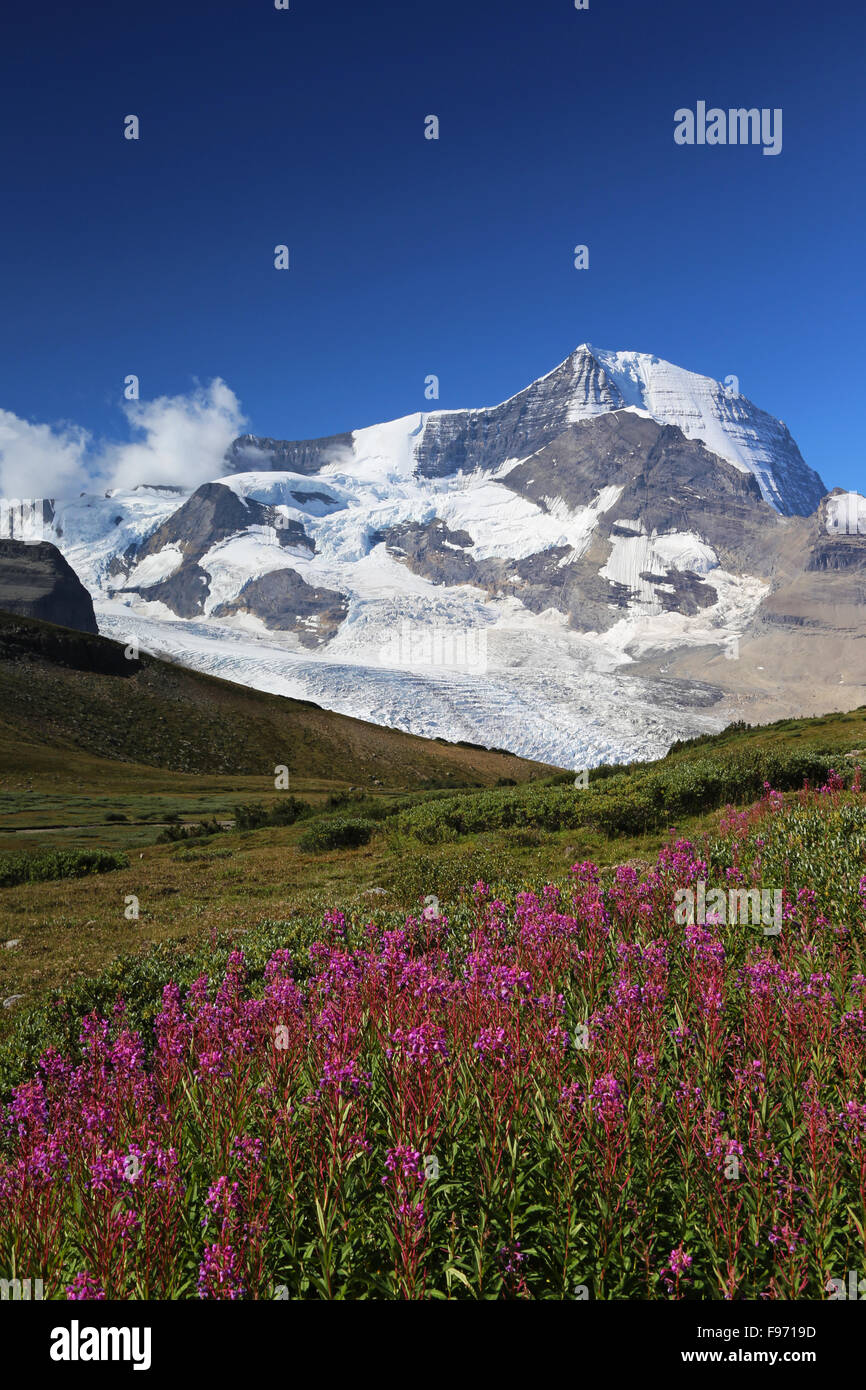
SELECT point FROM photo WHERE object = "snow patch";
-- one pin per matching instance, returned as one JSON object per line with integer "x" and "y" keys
{"x": 633, "y": 556}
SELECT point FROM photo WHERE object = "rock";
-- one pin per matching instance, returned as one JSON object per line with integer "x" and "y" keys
{"x": 640, "y": 866}
{"x": 305, "y": 456}
{"x": 284, "y": 602}
{"x": 10, "y": 944}
{"x": 37, "y": 582}
{"x": 13, "y": 999}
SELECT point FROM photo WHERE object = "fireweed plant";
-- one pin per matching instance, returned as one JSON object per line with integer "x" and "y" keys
{"x": 560, "y": 1095}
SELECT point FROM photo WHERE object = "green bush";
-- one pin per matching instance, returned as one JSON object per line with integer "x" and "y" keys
{"x": 618, "y": 801}
{"x": 336, "y": 834}
{"x": 59, "y": 863}
{"x": 286, "y": 811}
{"x": 450, "y": 874}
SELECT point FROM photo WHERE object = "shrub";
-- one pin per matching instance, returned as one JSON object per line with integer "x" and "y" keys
{"x": 336, "y": 834}
{"x": 288, "y": 810}
{"x": 618, "y": 800}
{"x": 254, "y": 815}
{"x": 60, "y": 863}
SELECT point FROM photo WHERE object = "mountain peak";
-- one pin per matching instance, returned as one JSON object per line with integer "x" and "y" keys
{"x": 716, "y": 413}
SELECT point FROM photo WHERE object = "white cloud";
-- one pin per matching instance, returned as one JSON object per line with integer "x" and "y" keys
{"x": 185, "y": 438}
{"x": 41, "y": 460}
{"x": 176, "y": 439}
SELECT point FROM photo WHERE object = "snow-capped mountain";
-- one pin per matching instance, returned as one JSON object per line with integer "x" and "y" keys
{"x": 588, "y": 383}
{"x": 568, "y": 574}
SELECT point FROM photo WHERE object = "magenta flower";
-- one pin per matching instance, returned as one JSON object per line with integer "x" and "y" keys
{"x": 84, "y": 1288}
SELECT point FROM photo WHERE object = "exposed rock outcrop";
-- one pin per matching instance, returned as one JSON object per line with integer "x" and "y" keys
{"x": 37, "y": 582}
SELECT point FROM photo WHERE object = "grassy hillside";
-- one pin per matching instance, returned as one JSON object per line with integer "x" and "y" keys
{"x": 67, "y": 695}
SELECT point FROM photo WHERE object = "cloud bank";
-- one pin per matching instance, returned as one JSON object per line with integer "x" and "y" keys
{"x": 175, "y": 439}
{"x": 185, "y": 438}
{"x": 41, "y": 460}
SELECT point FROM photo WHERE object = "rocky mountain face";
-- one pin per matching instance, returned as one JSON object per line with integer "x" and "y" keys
{"x": 36, "y": 582}
{"x": 588, "y": 384}
{"x": 622, "y": 554}
{"x": 577, "y": 389}
{"x": 251, "y": 452}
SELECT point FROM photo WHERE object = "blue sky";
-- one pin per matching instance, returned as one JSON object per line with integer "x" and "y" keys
{"x": 410, "y": 256}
